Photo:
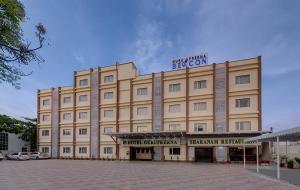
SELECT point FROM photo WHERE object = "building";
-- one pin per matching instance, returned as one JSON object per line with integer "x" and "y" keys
{"x": 193, "y": 114}
{"x": 10, "y": 142}
{"x": 288, "y": 149}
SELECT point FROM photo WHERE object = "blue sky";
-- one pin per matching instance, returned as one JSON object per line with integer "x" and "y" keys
{"x": 85, "y": 34}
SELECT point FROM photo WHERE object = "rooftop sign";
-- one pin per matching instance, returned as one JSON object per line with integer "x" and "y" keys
{"x": 191, "y": 61}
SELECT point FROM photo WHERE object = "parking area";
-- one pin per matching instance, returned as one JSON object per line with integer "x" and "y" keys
{"x": 86, "y": 174}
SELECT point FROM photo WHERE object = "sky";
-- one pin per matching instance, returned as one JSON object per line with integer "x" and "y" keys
{"x": 83, "y": 34}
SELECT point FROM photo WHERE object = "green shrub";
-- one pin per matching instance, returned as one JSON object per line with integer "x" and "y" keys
{"x": 297, "y": 160}
{"x": 290, "y": 163}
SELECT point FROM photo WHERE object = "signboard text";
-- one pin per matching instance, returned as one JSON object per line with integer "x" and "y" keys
{"x": 192, "y": 61}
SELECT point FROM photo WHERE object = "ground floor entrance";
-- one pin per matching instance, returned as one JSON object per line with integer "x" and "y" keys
{"x": 237, "y": 154}
{"x": 141, "y": 153}
{"x": 204, "y": 154}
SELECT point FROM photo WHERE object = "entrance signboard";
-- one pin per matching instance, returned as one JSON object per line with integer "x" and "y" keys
{"x": 216, "y": 141}
{"x": 151, "y": 142}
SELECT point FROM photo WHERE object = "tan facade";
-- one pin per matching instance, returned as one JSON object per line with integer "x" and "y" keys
{"x": 117, "y": 100}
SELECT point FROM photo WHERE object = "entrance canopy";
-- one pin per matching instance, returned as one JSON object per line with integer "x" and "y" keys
{"x": 292, "y": 134}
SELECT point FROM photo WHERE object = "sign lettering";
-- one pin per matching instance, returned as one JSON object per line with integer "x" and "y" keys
{"x": 219, "y": 141}
{"x": 192, "y": 61}
{"x": 151, "y": 142}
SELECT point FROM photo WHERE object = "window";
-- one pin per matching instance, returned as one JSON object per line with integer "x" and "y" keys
{"x": 109, "y": 78}
{"x": 142, "y": 128}
{"x": 108, "y": 95}
{"x": 108, "y": 130}
{"x": 83, "y": 82}
{"x": 174, "y": 151}
{"x": 82, "y": 150}
{"x": 66, "y": 132}
{"x": 82, "y": 131}
{"x": 66, "y": 150}
{"x": 82, "y": 115}
{"x": 174, "y": 127}
{"x": 174, "y": 108}
{"x": 83, "y": 98}
{"x": 142, "y": 91}
{"x": 45, "y": 133}
{"x": 67, "y": 99}
{"x": 200, "y": 106}
{"x": 241, "y": 103}
{"x": 200, "y": 127}
{"x": 45, "y": 149}
{"x": 142, "y": 111}
{"x": 243, "y": 126}
{"x": 67, "y": 116}
{"x": 174, "y": 87}
{"x": 46, "y": 117}
{"x": 46, "y": 102}
{"x": 108, "y": 113}
{"x": 108, "y": 150}
{"x": 3, "y": 141}
{"x": 242, "y": 79}
{"x": 199, "y": 84}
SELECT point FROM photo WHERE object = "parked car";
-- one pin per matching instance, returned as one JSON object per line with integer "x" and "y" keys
{"x": 18, "y": 156}
{"x": 1, "y": 156}
{"x": 38, "y": 155}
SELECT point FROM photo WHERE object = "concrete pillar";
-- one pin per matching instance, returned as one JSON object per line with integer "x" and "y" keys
{"x": 220, "y": 98}
{"x": 257, "y": 157}
{"x": 278, "y": 159}
{"x": 95, "y": 113}
{"x": 54, "y": 123}
{"x": 157, "y": 105}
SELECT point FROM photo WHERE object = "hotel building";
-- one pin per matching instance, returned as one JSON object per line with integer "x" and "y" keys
{"x": 192, "y": 114}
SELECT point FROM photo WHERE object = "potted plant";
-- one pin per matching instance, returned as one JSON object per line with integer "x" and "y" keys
{"x": 290, "y": 163}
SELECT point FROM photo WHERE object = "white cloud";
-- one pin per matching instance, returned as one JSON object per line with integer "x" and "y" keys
{"x": 149, "y": 46}
{"x": 79, "y": 58}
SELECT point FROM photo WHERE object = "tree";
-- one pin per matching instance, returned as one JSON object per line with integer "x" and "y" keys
{"x": 15, "y": 51}
{"x": 26, "y": 128}
{"x": 29, "y": 131}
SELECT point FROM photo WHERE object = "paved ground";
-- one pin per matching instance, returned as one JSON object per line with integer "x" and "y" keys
{"x": 84, "y": 174}
{"x": 290, "y": 175}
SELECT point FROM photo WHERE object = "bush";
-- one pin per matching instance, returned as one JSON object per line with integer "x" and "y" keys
{"x": 290, "y": 163}
{"x": 297, "y": 160}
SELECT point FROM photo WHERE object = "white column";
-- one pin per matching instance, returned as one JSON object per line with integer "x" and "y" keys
{"x": 278, "y": 160}
{"x": 286, "y": 149}
{"x": 257, "y": 161}
{"x": 244, "y": 155}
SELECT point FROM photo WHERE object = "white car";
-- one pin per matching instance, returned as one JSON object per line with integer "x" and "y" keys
{"x": 1, "y": 156}
{"x": 38, "y": 155}
{"x": 18, "y": 156}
